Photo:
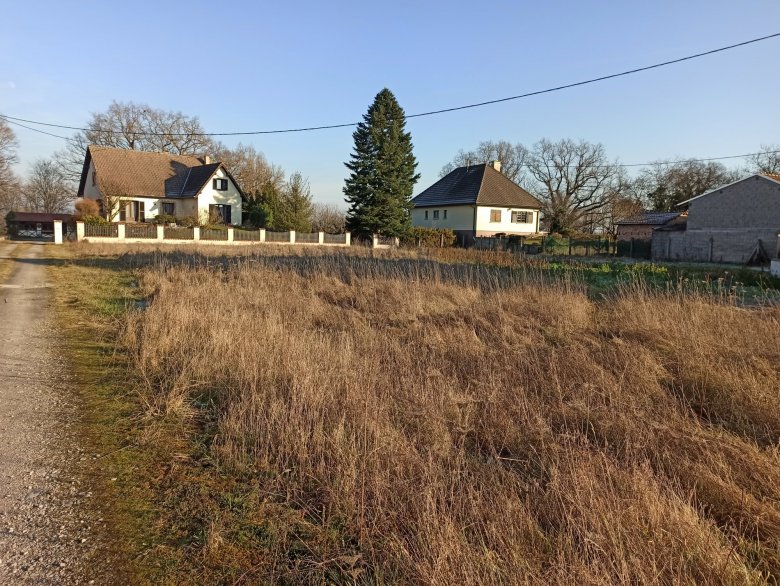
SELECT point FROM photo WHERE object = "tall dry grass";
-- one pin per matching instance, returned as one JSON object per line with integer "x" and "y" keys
{"x": 397, "y": 425}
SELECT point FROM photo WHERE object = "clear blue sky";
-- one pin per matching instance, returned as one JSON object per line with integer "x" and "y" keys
{"x": 258, "y": 65}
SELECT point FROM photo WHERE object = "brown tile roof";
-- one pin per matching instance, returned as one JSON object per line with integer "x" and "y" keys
{"x": 141, "y": 173}
{"x": 476, "y": 185}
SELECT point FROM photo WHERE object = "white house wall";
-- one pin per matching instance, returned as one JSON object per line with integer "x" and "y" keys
{"x": 210, "y": 196}
{"x": 91, "y": 191}
{"x": 487, "y": 228}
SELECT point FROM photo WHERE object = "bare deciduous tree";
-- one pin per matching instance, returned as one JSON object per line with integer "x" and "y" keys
{"x": 513, "y": 158}
{"x": 127, "y": 125}
{"x": 10, "y": 193}
{"x": 664, "y": 184}
{"x": 766, "y": 161}
{"x": 573, "y": 180}
{"x": 251, "y": 170}
{"x": 46, "y": 189}
{"x": 328, "y": 217}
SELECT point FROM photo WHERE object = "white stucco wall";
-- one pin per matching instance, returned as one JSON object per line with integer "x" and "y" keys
{"x": 485, "y": 227}
{"x": 458, "y": 217}
{"x": 91, "y": 191}
{"x": 208, "y": 196}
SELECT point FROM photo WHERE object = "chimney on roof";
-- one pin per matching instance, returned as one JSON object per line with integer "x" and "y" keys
{"x": 207, "y": 160}
{"x": 496, "y": 165}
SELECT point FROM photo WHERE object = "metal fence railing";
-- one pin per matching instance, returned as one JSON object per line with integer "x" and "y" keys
{"x": 549, "y": 245}
{"x": 307, "y": 237}
{"x": 335, "y": 239}
{"x": 247, "y": 235}
{"x": 178, "y": 233}
{"x": 140, "y": 231}
{"x": 213, "y": 234}
{"x": 101, "y": 230}
{"x": 277, "y": 236}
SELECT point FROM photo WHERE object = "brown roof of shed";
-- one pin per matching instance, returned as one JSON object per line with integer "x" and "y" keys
{"x": 147, "y": 174}
{"x": 476, "y": 185}
{"x": 38, "y": 217}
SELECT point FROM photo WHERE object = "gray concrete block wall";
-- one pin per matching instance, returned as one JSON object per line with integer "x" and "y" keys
{"x": 753, "y": 203}
{"x": 728, "y": 246}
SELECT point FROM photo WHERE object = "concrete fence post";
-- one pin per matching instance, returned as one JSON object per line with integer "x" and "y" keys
{"x": 292, "y": 236}
{"x": 79, "y": 231}
{"x": 396, "y": 241}
{"x": 57, "y": 231}
{"x": 262, "y": 234}
{"x": 374, "y": 241}
{"x": 196, "y": 233}
{"x": 120, "y": 231}
{"x": 321, "y": 238}
{"x": 160, "y": 232}
{"x": 230, "y": 234}
{"x": 348, "y": 239}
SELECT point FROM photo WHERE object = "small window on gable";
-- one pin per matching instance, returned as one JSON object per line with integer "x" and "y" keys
{"x": 522, "y": 217}
{"x": 495, "y": 216}
{"x": 435, "y": 214}
{"x": 220, "y": 184}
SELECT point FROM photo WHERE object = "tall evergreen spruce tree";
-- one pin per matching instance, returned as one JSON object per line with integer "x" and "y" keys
{"x": 379, "y": 188}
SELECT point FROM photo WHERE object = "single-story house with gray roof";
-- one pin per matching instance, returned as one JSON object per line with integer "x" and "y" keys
{"x": 477, "y": 200}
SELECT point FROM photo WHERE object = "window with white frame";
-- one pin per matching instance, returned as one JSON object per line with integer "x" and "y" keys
{"x": 522, "y": 217}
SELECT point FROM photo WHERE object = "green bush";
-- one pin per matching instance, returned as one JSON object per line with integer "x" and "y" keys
{"x": 430, "y": 237}
{"x": 95, "y": 220}
{"x": 164, "y": 219}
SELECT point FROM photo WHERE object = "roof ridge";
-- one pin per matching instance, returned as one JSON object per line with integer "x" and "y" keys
{"x": 481, "y": 182}
{"x": 187, "y": 178}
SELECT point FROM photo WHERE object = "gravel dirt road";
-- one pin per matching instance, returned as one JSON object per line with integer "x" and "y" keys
{"x": 44, "y": 534}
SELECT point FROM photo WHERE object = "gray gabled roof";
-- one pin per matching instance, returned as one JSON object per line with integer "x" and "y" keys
{"x": 476, "y": 185}
{"x": 649, "y": 218}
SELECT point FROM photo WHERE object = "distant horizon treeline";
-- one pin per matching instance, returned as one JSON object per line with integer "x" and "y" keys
{"x": 582, "y": 189}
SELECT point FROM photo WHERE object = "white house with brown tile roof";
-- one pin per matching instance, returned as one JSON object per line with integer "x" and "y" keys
{"x": 142, "y": 185}
{"x": 477, "y": 200}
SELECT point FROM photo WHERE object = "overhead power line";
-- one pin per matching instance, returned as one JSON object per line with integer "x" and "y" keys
{"x": 35, "y": 129}
{"x": 420, "y": 114}
{"x": 704, "y": 160}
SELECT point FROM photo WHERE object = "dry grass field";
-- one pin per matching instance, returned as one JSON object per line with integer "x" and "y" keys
{"x": 352, "y": 418}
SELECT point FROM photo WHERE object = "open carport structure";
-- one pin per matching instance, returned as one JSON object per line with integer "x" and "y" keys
{"x": 36, "y": 225}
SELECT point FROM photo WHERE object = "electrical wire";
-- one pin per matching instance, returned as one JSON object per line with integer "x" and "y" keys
{"x": 421, "y": 114}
